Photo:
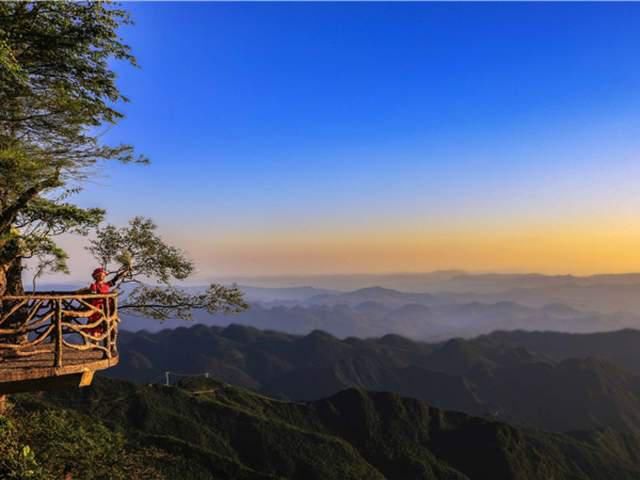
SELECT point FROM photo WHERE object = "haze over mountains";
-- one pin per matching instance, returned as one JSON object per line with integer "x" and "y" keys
{"x": 434, "y": 306}
{"x": 504, "y": 286}
{"x": 610, "y": 293}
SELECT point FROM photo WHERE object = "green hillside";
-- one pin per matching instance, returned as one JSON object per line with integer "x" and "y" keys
{"x": 205, "y": 429}
{"x": 479, "y": 377}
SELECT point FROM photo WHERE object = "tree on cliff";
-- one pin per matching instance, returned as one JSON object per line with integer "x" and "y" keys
{"x": 56, "y": 89}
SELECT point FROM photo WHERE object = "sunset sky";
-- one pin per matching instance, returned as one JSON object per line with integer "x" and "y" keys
{"x": 339, "y": 138}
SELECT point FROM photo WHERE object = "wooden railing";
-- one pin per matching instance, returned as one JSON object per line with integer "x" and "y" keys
{"x": 59, "y": 323}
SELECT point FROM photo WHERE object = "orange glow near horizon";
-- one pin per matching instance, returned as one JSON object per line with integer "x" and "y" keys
{"x": 550, "y": 249}
{"x": 553, "y": 252}
{"x": 579, "y": 247}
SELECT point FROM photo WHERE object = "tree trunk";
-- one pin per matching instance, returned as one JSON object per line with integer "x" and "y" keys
{"x": 11, "y": 268}
{"x": 13, "y": 277}
{"x": 11, "y": 284}
{"x": 3, "y": 281}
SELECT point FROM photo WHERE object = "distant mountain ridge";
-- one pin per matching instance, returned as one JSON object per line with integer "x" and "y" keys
{"x": 458, "y": 281}
{"x": 376, "y": 311}
{"x": 603, "y": 293}
{"x": 386, "y": 296}
{"x": 618, "y": 347}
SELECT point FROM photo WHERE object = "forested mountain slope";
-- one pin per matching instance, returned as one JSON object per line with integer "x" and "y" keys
{"x": 479, "y": 377}
{"x": 213, "y": 430}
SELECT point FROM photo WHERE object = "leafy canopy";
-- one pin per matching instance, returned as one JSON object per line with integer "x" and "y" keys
{"x": 140, "y": 256}
{"x": 57, "y": 90}
{"x": 50, "y": 443}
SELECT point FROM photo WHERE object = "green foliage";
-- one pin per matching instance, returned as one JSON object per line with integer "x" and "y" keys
{"x": 138, "y": 253}
{"x": 44, "y": 219}
{"x": 216, "y": 431}
{"x": 49, "y": 443}
{"x": 68, "y": 442}
{"x": 17, "y": 459}
{"x": 162, "y": 303}
{"x": 56, "y": 88}
{"x": 57, "y": 57}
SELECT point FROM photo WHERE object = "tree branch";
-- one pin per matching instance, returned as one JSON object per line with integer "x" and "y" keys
{"x": 9, "y": 214}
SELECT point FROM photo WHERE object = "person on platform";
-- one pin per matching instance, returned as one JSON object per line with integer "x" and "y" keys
{"x": 100, "y": 285}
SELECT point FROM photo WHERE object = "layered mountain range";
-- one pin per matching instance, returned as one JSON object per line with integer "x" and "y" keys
{"x": 369, "y": 383}
{"x": 377, "y": 311}
{"x": 516, "y": 377}
{"x": 608, "y": 293}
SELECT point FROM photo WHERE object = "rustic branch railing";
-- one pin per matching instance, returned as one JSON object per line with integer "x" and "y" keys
{"x": 57, "y": 323}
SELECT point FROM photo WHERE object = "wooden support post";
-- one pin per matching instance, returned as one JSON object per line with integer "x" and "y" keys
{"x": 106, "y": 324}
{"x": 58, "y": 339}
{"x": 86, "y": 379}
{"x": 114, "y": 323}
{"x": 3, "y": 404}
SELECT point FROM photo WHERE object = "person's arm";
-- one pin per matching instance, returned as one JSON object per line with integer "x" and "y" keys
{"x": 90, "y": 290}
{"x": 119, "y": 274}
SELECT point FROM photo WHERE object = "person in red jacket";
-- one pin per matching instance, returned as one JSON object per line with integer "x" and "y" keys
{"x": 100, "y": 286}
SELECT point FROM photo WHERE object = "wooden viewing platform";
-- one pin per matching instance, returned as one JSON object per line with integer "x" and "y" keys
{"x": 56, "y": 339}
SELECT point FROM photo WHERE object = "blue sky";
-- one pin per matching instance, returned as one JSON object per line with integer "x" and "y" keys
{"x": 329, "y": 137}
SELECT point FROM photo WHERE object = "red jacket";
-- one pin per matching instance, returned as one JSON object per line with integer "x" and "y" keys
{"x": 101, "y": 288}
